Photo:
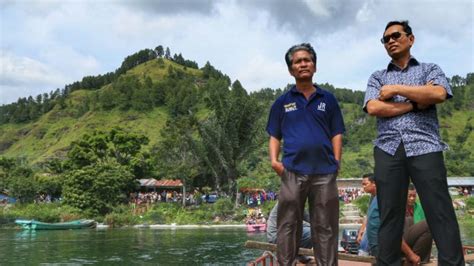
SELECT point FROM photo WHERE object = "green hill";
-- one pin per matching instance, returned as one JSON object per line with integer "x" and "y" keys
{"x": 144, "y": 97}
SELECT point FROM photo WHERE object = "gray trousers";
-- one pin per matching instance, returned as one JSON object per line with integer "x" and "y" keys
{"x": 322, "y": 195}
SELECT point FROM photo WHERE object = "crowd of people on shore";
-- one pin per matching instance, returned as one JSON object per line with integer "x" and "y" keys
{"x": 347, "y": 195}
{"x": 257, "y": 198}
{"x": 163, "y": 196}
{"x": 251, "y": 200}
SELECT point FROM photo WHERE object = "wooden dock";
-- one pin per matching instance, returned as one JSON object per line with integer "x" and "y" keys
{"x": 344, "y": 259}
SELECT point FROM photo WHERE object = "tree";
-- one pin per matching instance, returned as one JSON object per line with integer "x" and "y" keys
{"x": 6, "y": 167}
{"x": 168, "y": 53}
{"x": 231, "y": 133}
{"x": 122, "y": 146}
{"x": 470, "y": 78}
{"x": 98, "y": 188}
{"x": 457, "y": 81}
{"x": 159, "y": 51}
{"x": 174, "y": 154}
{"x": 103, "y": 167}
{"x": 17, "y": 178}
{"x": 22, "y": 185}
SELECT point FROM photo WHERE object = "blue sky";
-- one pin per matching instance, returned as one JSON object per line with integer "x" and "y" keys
{"x": 47, "y": 44}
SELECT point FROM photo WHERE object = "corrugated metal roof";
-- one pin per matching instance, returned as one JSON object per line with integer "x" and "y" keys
{"x": 148, "y": 182}
{"x": 460, "y": 181}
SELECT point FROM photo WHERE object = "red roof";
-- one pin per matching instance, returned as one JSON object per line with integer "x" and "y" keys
{"x": 168, "y": 183}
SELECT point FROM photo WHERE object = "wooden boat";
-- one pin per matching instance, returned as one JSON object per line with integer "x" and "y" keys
{"x": 268, "y": 258}
{"x": 37, "y": 225}
{"x": 255, "y": 228}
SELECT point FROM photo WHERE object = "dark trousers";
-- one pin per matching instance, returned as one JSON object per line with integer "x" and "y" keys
{"x": 428, "y": 174}
{"x": 322, "y": 195}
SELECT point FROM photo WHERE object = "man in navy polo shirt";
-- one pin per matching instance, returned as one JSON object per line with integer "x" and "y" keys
{"x": 403, "y": 97}
{"x": 309, "y": 122}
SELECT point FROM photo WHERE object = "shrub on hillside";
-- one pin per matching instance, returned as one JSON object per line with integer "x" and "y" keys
{"x": 223, "y": 207}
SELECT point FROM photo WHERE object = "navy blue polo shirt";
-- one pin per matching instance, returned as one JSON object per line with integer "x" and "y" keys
{"x": 307, "y": 127}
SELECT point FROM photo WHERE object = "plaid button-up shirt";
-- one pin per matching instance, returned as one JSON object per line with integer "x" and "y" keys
{"x": 419, "y": 131}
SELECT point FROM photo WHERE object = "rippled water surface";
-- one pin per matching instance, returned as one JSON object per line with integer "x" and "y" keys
{"x": 127, "y": 247}
{"x": 135, "y": 246}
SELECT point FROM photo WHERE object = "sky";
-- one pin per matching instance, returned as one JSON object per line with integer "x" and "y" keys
{"x": 47, "y": 44}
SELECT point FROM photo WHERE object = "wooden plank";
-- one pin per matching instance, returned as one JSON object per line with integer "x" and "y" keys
{"x": 308, "y": 252}
{"x": 341, "y": 256}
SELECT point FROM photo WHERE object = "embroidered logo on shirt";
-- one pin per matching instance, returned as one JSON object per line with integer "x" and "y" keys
{"x": 290, "y": 107}
{"x": 322, "y": 107}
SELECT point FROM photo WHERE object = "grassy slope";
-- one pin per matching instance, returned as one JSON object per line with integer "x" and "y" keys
{"x": 51, "y": 134}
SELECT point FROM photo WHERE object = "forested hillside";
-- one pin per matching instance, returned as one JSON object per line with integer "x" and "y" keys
{"x": 162, "y": 116}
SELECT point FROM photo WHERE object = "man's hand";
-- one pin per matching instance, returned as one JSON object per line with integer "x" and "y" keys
{"x": 414, "y": 259}
{"x": 278, "y": 167}
{"x": 359, "y": 236}
{"x": 387, "y": 92}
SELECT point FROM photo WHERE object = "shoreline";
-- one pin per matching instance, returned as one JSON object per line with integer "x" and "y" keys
{"x": 199, "y": 226}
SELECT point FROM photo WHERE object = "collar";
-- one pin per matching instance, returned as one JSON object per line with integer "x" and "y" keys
{"x": 319, "y": 90}
{"x": 411, "y": 62}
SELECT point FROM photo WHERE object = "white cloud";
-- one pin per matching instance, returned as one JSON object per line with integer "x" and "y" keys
{"x": 53, "y": 43}
{"x": 318, "y": 7}
{"x": 366, "y": 13}
{"x": 16, "y": 70}
{"x": 20, "y": 76}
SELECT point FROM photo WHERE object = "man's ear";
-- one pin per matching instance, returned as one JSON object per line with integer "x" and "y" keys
{"x": 411, "y": 38}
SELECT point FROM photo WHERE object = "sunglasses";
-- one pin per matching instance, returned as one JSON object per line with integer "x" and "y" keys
{"x": 385, "y": 39}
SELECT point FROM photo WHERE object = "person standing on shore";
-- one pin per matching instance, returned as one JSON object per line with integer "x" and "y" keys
{"x": 309, "y": 122}
{"x": 403, "y": 97}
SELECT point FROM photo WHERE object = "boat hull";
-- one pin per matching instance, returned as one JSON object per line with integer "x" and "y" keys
{"x": 37, "y": 225}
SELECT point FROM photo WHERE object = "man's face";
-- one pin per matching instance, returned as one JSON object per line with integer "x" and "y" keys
{"x": 397, "y": 47}
{"x": 302, "y": 66}
{"x": 368, "y": 186}
{"x": 411, "y": 197}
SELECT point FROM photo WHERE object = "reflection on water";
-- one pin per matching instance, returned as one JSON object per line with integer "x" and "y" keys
{"x": 135, "y": 246}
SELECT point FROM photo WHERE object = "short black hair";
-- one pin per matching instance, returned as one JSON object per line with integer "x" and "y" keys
{"x": 370, "y": 176}
{"x": 411, "y": 187}
{"x": 403, "y": 23}
{"x": 302, "y": 46}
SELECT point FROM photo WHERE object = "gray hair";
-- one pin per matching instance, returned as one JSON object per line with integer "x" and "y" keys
{"x": 303, "y": 46}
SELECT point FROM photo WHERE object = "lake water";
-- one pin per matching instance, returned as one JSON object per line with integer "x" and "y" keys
{"x": 132, "y": 246}
{"x": 127, "y": 247}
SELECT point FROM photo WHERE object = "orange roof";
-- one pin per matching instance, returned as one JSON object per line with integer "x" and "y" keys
{"x": 168, "y": 183}
{"x": 247, "y": 189}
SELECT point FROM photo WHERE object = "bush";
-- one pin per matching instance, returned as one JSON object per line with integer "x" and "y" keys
{"x": 223, "y": 207}
{"x": 362, "y": 203}
{"x": 470, "y": 203}
{"x": 121, "y": 215}
{"x": 49, "y": 213}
